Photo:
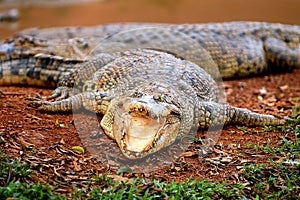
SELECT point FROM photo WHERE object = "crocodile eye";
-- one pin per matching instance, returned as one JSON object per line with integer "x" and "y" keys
{"x": 136, "y": 95}
{"x": 160, "y": 98}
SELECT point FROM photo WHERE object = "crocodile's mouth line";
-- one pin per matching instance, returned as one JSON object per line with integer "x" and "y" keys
{"x": 142, "y": 125}
{"x": 141, "y": 133}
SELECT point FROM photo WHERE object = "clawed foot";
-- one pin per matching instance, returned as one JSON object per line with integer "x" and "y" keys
{"x": 37, "y": 102}
{"x": 64, "y": 105}
{"x": 61, "y": 93}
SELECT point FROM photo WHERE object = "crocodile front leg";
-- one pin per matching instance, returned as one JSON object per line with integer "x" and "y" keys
{"x": 73, "y": 82}
{"x": 93, "y": 101}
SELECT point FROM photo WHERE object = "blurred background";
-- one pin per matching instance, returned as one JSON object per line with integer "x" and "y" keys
{"x": 50, "y": 13}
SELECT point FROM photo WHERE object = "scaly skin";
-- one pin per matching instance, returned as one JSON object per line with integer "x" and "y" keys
{"x": 149, "y": 98}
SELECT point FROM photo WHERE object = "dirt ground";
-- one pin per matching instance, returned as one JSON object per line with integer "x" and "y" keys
{"x": 46, "y": 140}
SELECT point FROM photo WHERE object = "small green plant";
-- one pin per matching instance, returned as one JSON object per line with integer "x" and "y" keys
{"x": 19, "y": 190}
{"x": 285, "y": 145}
{"x": 253, "y": 172}
{"x": 267, "y": 129}
{"x": 12, "y": 169}
{"x": 295, "y": 110}
{"x": 244, "y": 129}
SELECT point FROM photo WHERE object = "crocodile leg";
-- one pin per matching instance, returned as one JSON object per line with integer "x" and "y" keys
{"x": 76, "y": 79}
{"x": 93, "y": 101}
{"x": 215, "y": 114}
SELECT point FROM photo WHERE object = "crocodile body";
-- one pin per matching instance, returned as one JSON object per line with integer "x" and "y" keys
{"x": 149, "y": 83}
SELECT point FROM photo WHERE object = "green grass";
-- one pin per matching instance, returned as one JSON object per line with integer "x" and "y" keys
{"x": 247, "y": 130}
{"x": 295, "y": 109}
{"x": 140, "y": 189}
{"x": 13, "y": 174}
{"x": 12, "y": 169}
{"x": 271, "y": 180}
{"x": 278, "y": 180}
{"x": 24, "y": 191}
{"x": 285, "y": 145}
{"x": 275, "y": 182}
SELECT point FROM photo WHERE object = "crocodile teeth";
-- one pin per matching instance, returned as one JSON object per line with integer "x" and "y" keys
{"x": 141, "y": 133}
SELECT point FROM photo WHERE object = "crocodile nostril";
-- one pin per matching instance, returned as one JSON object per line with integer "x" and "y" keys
{"x": 141, "y": 101}
{"x": 137, "y": 108}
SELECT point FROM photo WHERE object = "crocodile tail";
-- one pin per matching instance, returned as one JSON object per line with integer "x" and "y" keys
{"x": 34, "y": 69}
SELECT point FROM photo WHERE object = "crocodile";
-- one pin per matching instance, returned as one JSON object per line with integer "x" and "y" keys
{"x": 9, "y": 16}
{"x": 150, "y": 83}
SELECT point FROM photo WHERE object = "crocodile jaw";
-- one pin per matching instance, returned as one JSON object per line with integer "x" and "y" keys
{"x": 141, "y": 132}
{"x": 142, "y": 127}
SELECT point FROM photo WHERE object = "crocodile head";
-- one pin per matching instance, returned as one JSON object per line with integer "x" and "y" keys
{"x": 142, "y": 124}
